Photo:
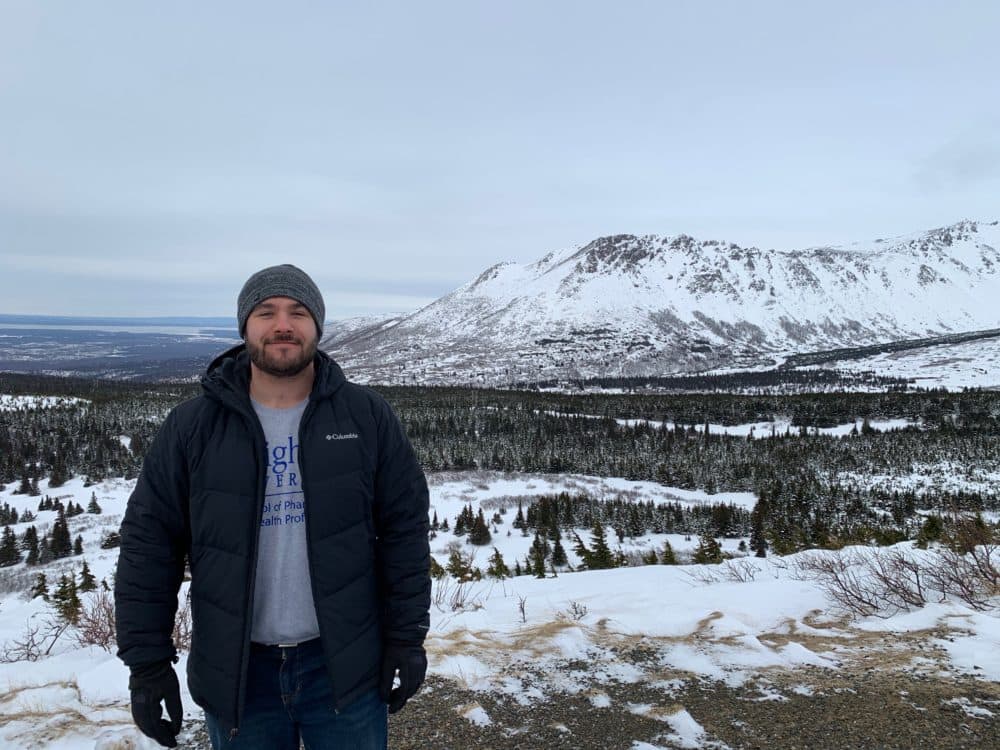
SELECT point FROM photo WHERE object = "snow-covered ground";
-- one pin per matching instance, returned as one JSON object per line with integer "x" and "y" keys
{"x": 11, "y": 403}
{"x": 759, "y": 429}
{"x": 972, "y": 364}
{"x": 731, "y": 623}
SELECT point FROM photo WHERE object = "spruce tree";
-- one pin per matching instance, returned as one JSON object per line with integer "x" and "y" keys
{"x": 458, "y": 566}
{"x": 66, "y": 600}
{"x": 538, "y": 560}
{"x": 94, "y": 507}
{"x": 581, "y": 551}
{"x": 559, "y": 554}
{"x": 709, "y": 550}
{"x": 87, "y": 580}
{"x": 600, "y": 554}
{"x": 78, "y": 545}
{"x": 44, "y": 550}
{"x": 498, "y": 568}
{"x": 10, "y": 553}
{"x": 40, "y": 588}
{"x": 29, "y": 543}
{"x": 436, "y": 570}
{"x": 758, "y": 540}
{"x": 667, "y": 556}
{"x": 519, "y": 518}
{"x": 61, "y": 543}
{"x": 479, "y": 534}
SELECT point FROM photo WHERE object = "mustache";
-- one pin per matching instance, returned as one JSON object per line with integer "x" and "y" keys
{"x": 283, "y": 339}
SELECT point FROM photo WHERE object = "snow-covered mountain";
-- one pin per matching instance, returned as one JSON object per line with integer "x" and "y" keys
{"x": 651, "y": 305}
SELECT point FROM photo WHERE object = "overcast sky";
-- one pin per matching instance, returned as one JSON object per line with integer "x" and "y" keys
{"x": 154, "y": 154}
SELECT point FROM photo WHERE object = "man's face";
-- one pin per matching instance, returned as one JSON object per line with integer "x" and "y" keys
{"x": 281, "y": 336}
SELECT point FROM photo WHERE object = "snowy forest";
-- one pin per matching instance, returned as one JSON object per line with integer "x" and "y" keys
{"x": 814, "y": 489}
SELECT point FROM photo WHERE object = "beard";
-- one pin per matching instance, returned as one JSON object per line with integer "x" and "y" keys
{"x": 282, "y": 365}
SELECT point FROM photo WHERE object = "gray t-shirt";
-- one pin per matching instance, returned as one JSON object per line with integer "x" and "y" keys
{"x": 283, "y": 609}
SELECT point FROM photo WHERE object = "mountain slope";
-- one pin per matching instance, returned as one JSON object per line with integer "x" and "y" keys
{"x": 650, "y": 305}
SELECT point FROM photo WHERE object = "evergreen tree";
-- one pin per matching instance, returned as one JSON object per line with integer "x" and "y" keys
{"x": 436, "y": 570}
{"x": 44, "y": 550}
{"x": 66, "y": 600}
{"x": 465, "y": 521}
{"x": 87, "y": 580}
{"x": 519, "y": 522}
{"x": 559, "y": 554}
{"x": 498, "y": 568}
{"x": 581, "y": 550}
{"x": 479, "y": 534}
{"x": 94, "y": 507}
{"x": 537, "y": 558}
{"x": 600, "y": 554}
{"x": 58, "y": 473}
{"x": 78, "y": 545}
{"x": 61, "y": 543}
{"x": 667, "y": 556}
{"x": 10, "y": 553}
{"x": 930, "y": 531}
{"x": 709, "y": 550}
{"x": 40, "y": 588}
{"x": 459, "y": 566}
{"x": 758, "y": 541}
{"x": 29, "y": 543}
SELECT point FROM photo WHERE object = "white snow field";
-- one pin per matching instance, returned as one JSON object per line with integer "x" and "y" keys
{"x": 729, "y": 622}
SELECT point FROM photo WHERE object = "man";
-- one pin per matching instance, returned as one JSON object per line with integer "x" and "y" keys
{"x": 297, "y": 501}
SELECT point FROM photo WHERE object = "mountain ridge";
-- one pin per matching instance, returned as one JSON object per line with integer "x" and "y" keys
{"x": 656, "y": 305}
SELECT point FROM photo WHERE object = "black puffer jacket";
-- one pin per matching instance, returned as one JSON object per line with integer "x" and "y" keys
{"x": 200, "y": 494}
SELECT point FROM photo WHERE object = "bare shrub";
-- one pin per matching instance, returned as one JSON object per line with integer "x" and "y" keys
{"x": 96, "y": 624}
{"x": 739, "y": 570}
{"x": 577, "y": 611}
{"x": 521, "y": 608}
{"x": 182, "y": 624}
{"x": 844, "y": 578}
{"x": 41, "y": 633}
{"x": 703, "y": 575}
{"x": 450, "y": 595}
{"x": 973, "y": 577}
{"x": 882, "y": 583}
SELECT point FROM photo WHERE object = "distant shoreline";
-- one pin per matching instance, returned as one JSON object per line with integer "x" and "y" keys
{"x": 91, "y": 320}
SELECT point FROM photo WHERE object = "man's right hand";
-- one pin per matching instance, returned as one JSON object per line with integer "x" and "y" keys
{"x": 149, "y": 685}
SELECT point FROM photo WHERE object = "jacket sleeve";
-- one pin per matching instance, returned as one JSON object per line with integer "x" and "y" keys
{"x": 153, "y": 547}
{"x": 403, "y": 551}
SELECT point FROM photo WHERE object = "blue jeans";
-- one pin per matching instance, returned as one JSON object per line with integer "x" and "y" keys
{"x": 289, "y": 697}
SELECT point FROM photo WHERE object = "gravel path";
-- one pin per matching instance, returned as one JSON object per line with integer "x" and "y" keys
{"x": 879, "y": 691}
{"x": 811, "y": 708}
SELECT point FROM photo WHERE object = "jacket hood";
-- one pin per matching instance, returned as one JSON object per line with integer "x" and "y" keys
{"x": 228, "y": 376}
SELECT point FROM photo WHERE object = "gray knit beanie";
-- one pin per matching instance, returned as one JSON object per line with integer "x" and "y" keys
{"x": 280, "y": 281}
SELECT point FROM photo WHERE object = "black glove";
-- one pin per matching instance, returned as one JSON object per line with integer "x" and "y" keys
{"x": 149, "y": 685}
{"x": 411, "y": 661}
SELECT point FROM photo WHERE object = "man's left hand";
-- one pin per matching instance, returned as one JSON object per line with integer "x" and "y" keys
{"x": 411, "y": 663}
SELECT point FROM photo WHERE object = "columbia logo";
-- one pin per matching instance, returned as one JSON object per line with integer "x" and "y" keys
{"x": 342, "y": 436}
